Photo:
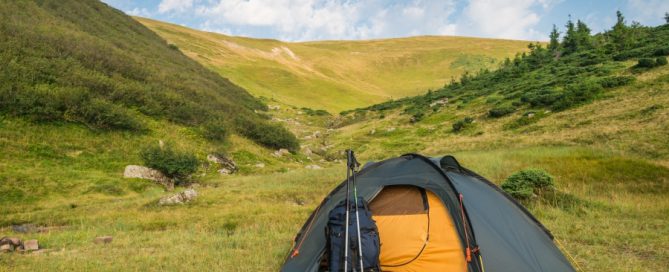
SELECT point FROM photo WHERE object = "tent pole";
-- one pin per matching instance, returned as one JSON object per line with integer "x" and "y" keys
{"x": 348, "y": 179}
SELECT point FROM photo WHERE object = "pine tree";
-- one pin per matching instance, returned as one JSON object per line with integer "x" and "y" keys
{"x": 554, "y": 45}
{"x": 666, "y": 17}
{"x": 569, "y": 42}
{"x": 583, "y": 35}
{"x": 620, "y": 34}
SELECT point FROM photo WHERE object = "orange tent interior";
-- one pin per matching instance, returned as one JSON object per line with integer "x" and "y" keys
{"x": 416, "y": 231}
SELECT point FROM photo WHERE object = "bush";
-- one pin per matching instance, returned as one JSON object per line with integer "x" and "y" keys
{"x": 267, "y": 134}
{"x": 215, "y": 130}
{"x": 528, "y": 183}
{"x": 501, "y": 111}
{"x": 646, "y": 63}
{"x": 174, "y": 164}
{"x": 661, "y": 61}
{"x": 616, "y": 81}
{"x": 99, "y": 113}
{"x": 462, "y": 124}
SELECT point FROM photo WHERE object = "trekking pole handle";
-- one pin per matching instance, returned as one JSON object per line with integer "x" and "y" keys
{"x": 351, "y": 162}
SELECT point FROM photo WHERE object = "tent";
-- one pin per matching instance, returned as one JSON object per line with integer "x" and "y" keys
{"x": 435, "y": 215}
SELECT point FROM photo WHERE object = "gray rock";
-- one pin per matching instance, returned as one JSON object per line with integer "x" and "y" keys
{"x": 7, "y": 248}
{"x": 228, "y": 166}
{"x": 313, "y": 167}
{"x": 25, "y": 228}
{"x": 280, "y": 153}
{"x": 10, "y": 241}
{"x": 103, "y": 240}
{"x": 30, "y": 245}
{"x": 137, "y": 171}
{"x": 184, "y": 197}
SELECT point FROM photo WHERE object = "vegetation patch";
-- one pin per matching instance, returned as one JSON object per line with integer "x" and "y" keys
{"x": 528, "y": 183}
{"x": 175, "y": 164}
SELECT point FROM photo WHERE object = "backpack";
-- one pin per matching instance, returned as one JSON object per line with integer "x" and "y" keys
{"x": 369, "y": 236}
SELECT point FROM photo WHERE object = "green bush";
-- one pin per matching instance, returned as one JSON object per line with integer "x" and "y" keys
{"x": 645, "y": 63}
{"x": 616, "y": 81}
{"x": 462, "y": 124}
{"x": 661, "y": 61}
{"x": 99, "y": 113}
{"x": 175, "y": 164}
{"x": 528, "y": 183}
{"x": 267, "y": 134}
{"x": 501, "y": 111}
{"x": 215, "y": 130}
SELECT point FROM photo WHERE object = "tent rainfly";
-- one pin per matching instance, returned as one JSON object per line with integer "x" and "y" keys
{"x": 471, "y": 224}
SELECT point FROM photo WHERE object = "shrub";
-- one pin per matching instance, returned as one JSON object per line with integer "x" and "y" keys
{"x": 99, "y": 113}
{"x": 616, "y": 81}
{"x": 215, "y": 130}
{"x": 661, "y": 61}
{"x": 267, "y": 134}
{"x": 528, "y": 183}
{"x": 646, "y": 63}
{"x": 174, "y": 164}
{"x": 501, "y": 111}
{"x": 461, "y": 124}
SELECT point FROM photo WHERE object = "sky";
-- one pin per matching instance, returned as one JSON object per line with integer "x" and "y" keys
{"x": 308, "y": 20}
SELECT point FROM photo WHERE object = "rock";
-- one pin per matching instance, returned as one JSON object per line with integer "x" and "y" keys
{"x": 313, "y": 167}
{"x": 439, "y": 102}
{"x": 25, "y": 228}
{"x": 530, "y": 115}
{"x": 307, "y": 151}
{"x": 308, "y": 137}
{"x": 137, "y": 171}
{"x": 274, "y": 107}
{"x": 228, "y": 165}
{"x": 317, "y": 134}
{"x": 180, "y": 198}
{"x": 391, "y": 129}
{"x": 260, "y": 165}
{"x": 30, "y": 245}
{"x": 103, "y": 240}
{"x": 10, "y": 241}
{"x": 7, "y": 248}
{"x": 279, "y": 153}
{"x": 372, "y": 132}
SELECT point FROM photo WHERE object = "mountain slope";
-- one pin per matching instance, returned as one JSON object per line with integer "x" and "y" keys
{"x": 337, "y": 75}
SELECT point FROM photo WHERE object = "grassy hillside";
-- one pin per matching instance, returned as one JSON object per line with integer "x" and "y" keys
{"x": 84, "y": 62}
{"x": 337, "y": 75}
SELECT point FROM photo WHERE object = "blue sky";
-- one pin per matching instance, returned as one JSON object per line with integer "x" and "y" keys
{"x": 305, "y": 20}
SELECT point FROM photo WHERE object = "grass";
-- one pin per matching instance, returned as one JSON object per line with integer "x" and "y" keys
{"x": 337, "y": 75}
{"x": 247, "y": 223}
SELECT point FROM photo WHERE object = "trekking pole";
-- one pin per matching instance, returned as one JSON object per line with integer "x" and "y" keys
{"x": 353, "y": 164}
{"x": 348, "y": 179}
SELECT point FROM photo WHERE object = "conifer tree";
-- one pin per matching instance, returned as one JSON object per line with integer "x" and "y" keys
{"x": 569, "y": 42}
{"x": 583, "y": 35}
{"x": 666, "y": 17}
{"x": 620, "y": 34}
{"x": 554, "y": 44}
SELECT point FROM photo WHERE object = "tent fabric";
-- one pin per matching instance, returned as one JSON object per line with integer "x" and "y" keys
{"x": 403, "y": 235}
{"x": 509, "y": 238}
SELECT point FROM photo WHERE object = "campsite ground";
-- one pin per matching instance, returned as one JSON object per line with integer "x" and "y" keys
{"x": 611, "y": 208}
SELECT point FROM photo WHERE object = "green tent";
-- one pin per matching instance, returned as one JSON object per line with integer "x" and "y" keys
{"x": 472, "y": 225}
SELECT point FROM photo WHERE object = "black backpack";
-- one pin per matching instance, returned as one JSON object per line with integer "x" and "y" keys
{"x": 369, "y": 235}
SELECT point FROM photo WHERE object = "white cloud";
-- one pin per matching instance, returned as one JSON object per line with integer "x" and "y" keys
{"x": 511, "y": 19}
{"x": 298, "y": 20}
{"x": 648, "y": 11}
{"x": 174, "y": 5}
{"x": 139, "y": 12}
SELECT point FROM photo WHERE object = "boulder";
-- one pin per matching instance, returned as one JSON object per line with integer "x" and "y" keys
{"x": 279, "y": 153}
{"x": 137, "y": 171}
{"x": 313, "y": 167}
{"x": 103, "y": 240}
{"x": 10, "y": 241}
{"x": 184, "y": 197}
{"x": 317, "y": 134}
{"x": 30, "y": 245}
{"x": 7, "y": 248}
{"x": 228, "y": 166}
